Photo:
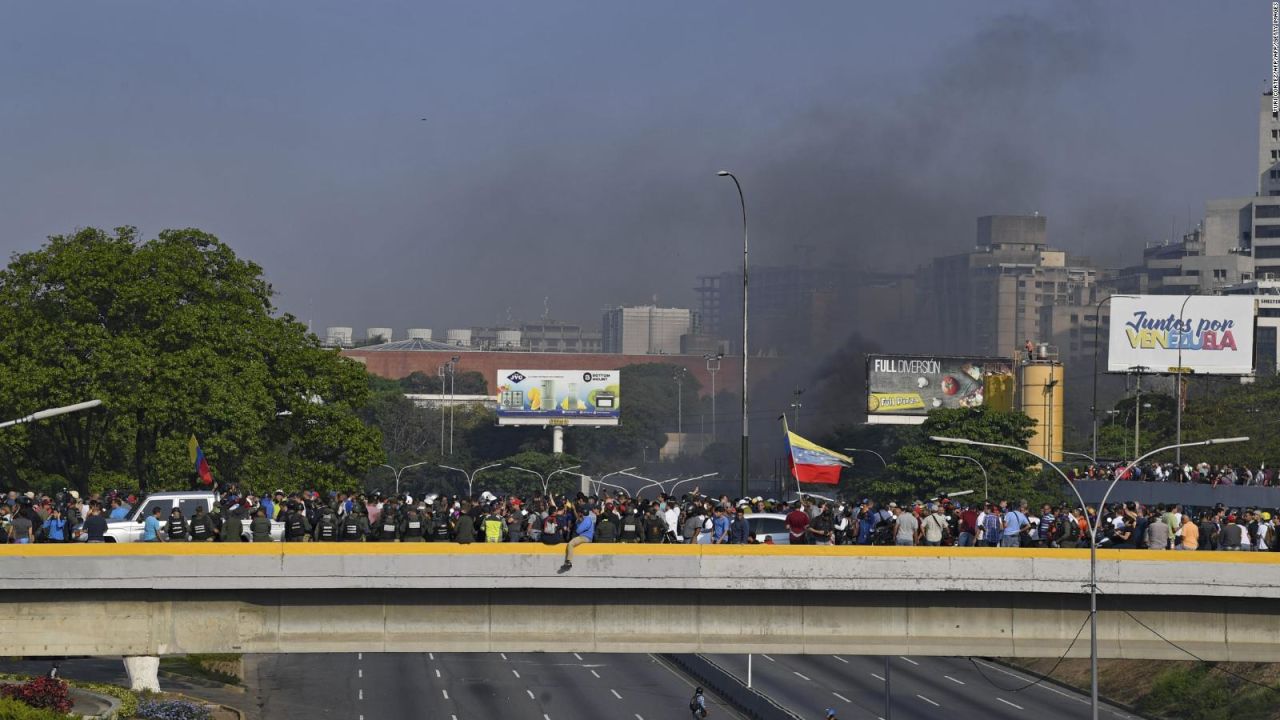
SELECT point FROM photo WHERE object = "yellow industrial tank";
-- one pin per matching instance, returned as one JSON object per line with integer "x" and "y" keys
{"x": 1041, "y": 394}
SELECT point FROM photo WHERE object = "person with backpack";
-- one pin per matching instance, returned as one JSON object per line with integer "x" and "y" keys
{"x": 412, "y": 526}
{"x": 296, "y": 527}
{"x": 1016, "y": 526}
{"x": 440, "y": 526}
{"x": 326, "y": 529}
{"x": 355, "y": 526}
{"x": 698, "y": 704}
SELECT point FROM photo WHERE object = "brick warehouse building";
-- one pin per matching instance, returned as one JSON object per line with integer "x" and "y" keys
{"x": 399, "y": 359}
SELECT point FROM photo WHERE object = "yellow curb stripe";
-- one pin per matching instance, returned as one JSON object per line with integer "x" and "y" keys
{"x": 431, "y": 548}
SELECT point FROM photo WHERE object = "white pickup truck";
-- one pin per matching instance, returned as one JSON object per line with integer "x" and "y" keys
{"x": 130, "y": 529}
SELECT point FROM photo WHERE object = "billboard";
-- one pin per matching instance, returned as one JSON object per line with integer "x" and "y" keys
{"x": 902, "y": 389}
{"x": 1213, "y": 334}
{"x": 558, "y": 397}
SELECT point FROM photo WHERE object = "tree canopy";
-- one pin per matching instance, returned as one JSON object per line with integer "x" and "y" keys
{"x": 178, "y": 337}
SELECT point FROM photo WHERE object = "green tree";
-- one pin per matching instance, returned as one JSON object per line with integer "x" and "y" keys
{"x": 177, "y": 336}
{"x": 917, "y": 472}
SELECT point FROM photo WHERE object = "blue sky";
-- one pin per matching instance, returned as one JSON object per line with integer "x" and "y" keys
{"x": 570, "y": 148}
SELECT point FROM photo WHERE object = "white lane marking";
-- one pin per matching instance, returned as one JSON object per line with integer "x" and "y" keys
{"x": 846, "y": 662}
{"x": 1042, "y": 686}
{"x": 877, "y": 677}
{"x": 513, "y": 672}
{"x": 504, "y": 655}
{"x": 1006, "y": 702}
{"x": 766, "y": 657}
{"x": 359, "y": 656}
{"x": 615, "y": 693}
{"x": 431, "y": 656}
{"x": 802, "y": 677}
{"x": 934, "y": 703}
{"x": 359, "y": 673}
{"x": 841, "y": 696}
{"x": 913, "y": 662}
{"x": 437, "y": 672}
{"x": 593, "y": 672}
{"x": 577, "y": 656}
{"x": 530, "y": 694}
{"x": 361, "y": 696}
{"x": 445, "y": 693}
{"x": 638, "y": 717}
{"x": 546, "y": 716}
{"x": 958, "y": 682}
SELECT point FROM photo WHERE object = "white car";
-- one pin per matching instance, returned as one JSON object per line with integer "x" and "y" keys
{"x": 130, "y": 529}
{"x": 772, "y": 525}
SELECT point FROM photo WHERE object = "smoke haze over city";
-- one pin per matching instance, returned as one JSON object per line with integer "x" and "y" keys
{"x": 415, "y": 165}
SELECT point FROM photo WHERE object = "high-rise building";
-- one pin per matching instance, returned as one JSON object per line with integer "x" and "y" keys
{"x": 645, "y": 330}
{"x": 988, "y": 301}
{"x": 1268, "y": 150}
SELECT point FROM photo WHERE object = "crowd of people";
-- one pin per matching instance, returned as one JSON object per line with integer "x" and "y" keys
{"x": 1201, "y": 472}
{"x": 694, "y": 518}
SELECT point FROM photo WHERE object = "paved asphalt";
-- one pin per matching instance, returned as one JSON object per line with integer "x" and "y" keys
{"x": 924, "y": 688}
{"x": 471, "y": 686}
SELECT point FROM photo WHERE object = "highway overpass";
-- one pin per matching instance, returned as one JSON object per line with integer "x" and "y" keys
{"x": 160, "y": 599}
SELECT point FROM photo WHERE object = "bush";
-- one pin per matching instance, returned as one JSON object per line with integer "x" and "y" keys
{"x": 13, "y": 710}
{"x": 128, "y": 698}
{"x": 172, "y": 710}
{"x": 43, "y": 692}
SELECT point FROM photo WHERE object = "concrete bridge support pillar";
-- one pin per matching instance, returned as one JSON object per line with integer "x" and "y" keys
{"x": 144, "y": 672}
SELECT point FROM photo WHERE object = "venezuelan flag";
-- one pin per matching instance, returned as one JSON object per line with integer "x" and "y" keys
{"x": 812, "y": 463}
{"x": 196, "y": 453}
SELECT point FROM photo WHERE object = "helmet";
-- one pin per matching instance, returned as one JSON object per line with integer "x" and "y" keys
{"x": 697, "y": 691}
{"x": 831, "y": 713}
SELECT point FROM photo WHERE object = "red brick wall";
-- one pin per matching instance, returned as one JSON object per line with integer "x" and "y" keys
{"x": 397, "y": 364}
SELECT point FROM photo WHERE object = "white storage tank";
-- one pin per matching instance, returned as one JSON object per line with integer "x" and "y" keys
{"x": 419, "y": 333}
{"x": 378, "y": 332}
{"x": 459, "y": 337}
{"x": 508, "y": 339}
{"x": 338, "y": 336}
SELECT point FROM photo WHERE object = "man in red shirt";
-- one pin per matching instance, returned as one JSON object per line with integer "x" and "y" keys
{"x": 797, "y": 523}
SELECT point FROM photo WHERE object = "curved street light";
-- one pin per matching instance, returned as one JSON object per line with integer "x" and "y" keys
{"x": 873, "y": 452}
{"x": 699, "y": 477}
{"x": 1093, "y": 534}
{"x": 986, "y": 484}
{"x": 52, "y": 412}
{"x": 401, "y": 470}
{"x": 596, "y": 483}
{"x": 471, "y": 477}
{"x": 650, "y": 482}
{"x": 743, "y": 202}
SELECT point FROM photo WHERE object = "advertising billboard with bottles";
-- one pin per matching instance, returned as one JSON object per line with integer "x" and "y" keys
{"x": 558, "y": 397}
{"x": 902, "y": 389}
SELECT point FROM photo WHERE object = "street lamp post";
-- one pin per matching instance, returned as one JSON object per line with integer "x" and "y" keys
{"x": 986, "y": 494}
{"x": 52, "y": 412}
{"x": 650, "y": 482}
{"x": 692, "y": 479}
{"x": 545, "y": 479}
{"x": 1178, "y": 387}
{"x": 745, "y": 354}
{"x": 1093, "y": 407}
{"x": 1090, "y": 458}
{"x": 441, "y": 372}
{"x": 679, "y": 378}
{"x": 1093, "y": 534}
{"x": 795, "y": 406}
{"x": 471, "y": 476}
{"x": 873, "y": 452}
{"x": 453, "y": 366}
{"x": 713, "y": 366}
{"x": 401, "y": 470}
